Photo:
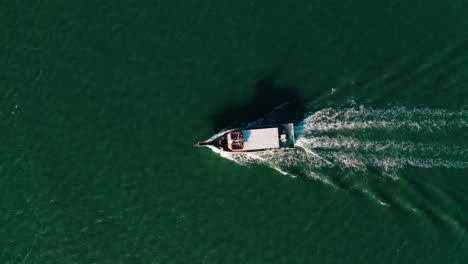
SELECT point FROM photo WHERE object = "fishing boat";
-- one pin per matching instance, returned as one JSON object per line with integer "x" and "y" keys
{"x": 253, "y": 139}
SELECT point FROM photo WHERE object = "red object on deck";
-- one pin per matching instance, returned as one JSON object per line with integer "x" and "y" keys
{"x": 237, "y": 145}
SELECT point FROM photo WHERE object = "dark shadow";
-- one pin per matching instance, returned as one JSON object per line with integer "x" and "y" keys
{"x": 268, "y": 96}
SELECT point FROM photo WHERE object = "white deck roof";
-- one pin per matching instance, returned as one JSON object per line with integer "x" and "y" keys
{"x": 261, "y": 138}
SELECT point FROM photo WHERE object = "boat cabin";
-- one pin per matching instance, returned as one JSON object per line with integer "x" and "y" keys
{"x": 254, "y": 139}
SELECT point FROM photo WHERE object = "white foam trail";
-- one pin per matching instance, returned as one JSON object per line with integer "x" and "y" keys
{"x": 390, "y": 163}
{"x": 361, "y": 117}
{"x": 378, "y": 147}
{"x": 388, "y": 156}
{"x": 308, "y": 151}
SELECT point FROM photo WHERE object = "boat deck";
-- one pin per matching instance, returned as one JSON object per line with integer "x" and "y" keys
{"x": 263, "y": 138}
{"x": 254, "y": 139}
{"x": 281, "y": 136}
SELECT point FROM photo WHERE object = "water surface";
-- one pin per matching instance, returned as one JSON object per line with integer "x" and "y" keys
{"x": 101, "y": 102}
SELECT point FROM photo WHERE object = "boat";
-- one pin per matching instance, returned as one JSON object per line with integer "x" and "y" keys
{"x": 253, "y": 139}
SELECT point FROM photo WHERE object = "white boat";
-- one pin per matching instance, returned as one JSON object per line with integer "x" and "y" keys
{"x": 254, "y": 139}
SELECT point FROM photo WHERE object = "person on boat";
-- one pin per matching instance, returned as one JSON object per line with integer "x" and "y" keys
{"x": 237, "y": 145}
{"x": 236, "y": 135}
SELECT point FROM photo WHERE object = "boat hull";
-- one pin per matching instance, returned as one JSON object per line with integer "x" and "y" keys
{"x": 254, "y": 139}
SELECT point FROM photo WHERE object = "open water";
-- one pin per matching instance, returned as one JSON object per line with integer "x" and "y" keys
{"x": 101, "y": 101}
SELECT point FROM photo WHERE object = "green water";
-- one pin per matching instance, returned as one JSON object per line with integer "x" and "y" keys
{"x": 101, "y": 102}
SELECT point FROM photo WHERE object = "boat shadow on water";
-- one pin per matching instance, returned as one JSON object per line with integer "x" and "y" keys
{"x": 284, "y": 100}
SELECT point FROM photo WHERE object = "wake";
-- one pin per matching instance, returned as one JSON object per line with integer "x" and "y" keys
{"x": 329, "y": 119}
{"x": 350, "y": 139}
